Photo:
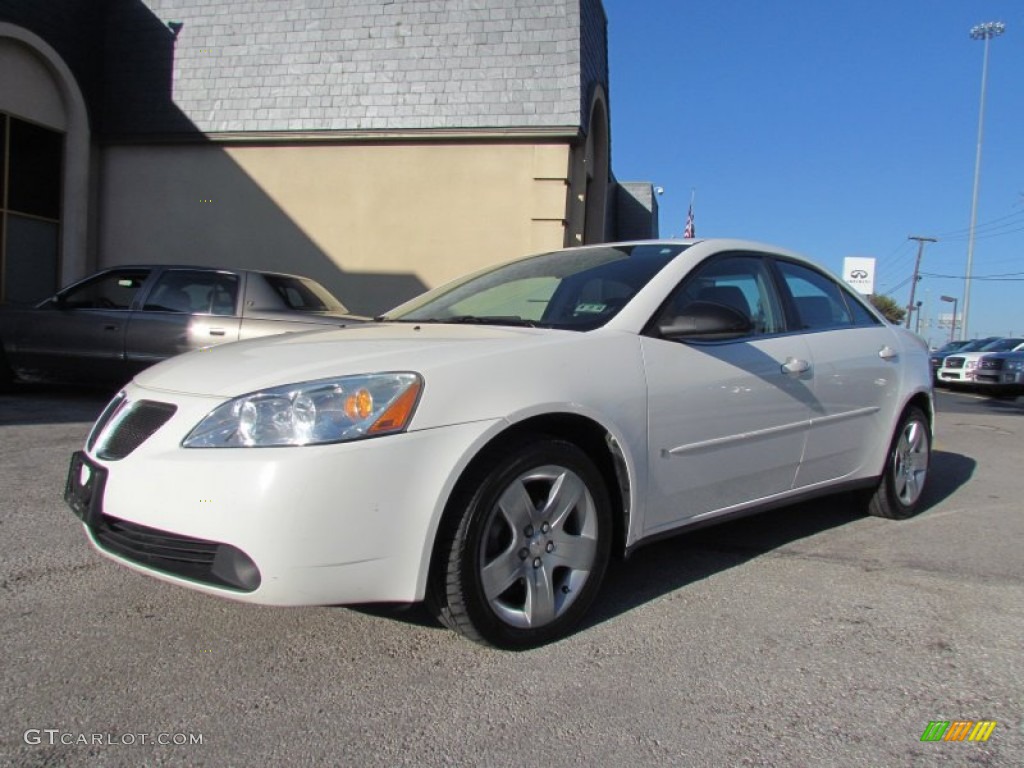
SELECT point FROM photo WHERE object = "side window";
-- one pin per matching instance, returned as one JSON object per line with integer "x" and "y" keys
{"x": 741, "y": 282}
{"x": 861, "y": 316}
{"x": 112, "y": 290}
{"x": 818, "y": 299}
{"x": 194, "y": 292}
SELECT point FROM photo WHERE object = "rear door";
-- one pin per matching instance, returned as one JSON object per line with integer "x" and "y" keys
{"x": 184, "y": 309}
{"x": 856, "y": 374}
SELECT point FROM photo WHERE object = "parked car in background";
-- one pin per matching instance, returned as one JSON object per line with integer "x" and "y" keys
{"x": 1000, "y": 374}
{"x": 959, "y": 369}
{"x": 936, "y": 357}
{"x": 487, "y": 446}
{"x": 108, "y": 327}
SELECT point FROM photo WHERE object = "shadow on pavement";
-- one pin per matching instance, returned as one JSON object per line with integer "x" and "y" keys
{"x": 660, "y": 568}
{"x": 31, "y": 404}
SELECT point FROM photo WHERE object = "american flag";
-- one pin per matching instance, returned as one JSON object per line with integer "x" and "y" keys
{"x": 689, "y": 231}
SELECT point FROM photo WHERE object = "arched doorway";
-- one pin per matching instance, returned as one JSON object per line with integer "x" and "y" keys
{"x": 596, "y": 164}
{"x": 44, "y": 161}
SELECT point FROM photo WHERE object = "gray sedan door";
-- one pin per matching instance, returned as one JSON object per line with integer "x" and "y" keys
{"x": 185, "y": 309}
{"x": 80, "y": 333}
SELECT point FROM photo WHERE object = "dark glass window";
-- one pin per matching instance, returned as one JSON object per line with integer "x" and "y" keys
{"x": 301, "y": 294}
{"x": 111, "y": 290}
{"x": 819, "y": 301}
{"x": 194, "y": 291}
{"x": 31, "y": 167}
{"x": 740, "y": 282}
{"x": 36, "y": 156}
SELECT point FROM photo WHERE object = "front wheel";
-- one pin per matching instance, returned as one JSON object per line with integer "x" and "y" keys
{"x": 525, "y": 548}
{"x": 898, "y": 495}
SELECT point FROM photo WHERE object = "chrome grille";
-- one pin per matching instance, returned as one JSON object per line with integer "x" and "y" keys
{"x": 990, "y": 365}
{"x": 954, "y": 362}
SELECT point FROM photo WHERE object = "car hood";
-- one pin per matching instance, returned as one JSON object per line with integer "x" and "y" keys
{"x": 238, "y": 368}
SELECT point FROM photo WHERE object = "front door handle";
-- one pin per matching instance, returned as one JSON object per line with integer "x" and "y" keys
{"x": 888, "y": 353}
{"x": 216, "y": 331}
{"x": 795, "y": 366}
{"x": 109, "y": 327}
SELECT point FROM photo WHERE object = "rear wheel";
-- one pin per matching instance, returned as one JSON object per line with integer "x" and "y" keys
{"x": 898, "y": 496}
{"x": 524, "y": 552}
{"x": 6, "y": 372}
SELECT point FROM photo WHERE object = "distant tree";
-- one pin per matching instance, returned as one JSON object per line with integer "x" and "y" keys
{"x": 887, "y": 305}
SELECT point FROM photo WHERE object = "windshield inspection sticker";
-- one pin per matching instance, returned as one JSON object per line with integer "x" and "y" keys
{"x": 592, "y": 309}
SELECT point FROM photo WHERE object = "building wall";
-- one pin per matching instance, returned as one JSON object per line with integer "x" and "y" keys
{"x": 376, "y": 223}
{"x": 311, "y": 65}
{"x": 398, "y": 141}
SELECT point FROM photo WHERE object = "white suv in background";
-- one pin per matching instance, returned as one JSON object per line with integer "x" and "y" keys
{"x": 959, "y": 368}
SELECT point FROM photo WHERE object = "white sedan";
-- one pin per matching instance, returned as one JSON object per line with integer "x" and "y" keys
{"x": 489, "y": 445}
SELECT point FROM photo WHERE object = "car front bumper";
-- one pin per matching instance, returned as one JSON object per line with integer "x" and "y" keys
{"x": 344, "y": 523}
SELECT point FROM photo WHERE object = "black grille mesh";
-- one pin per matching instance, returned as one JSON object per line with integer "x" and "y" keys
{"x": 954, "y": 362}
{"x": 131, "y": 430}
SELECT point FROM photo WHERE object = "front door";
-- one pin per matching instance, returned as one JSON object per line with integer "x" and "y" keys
{"x": 727, "y": 419}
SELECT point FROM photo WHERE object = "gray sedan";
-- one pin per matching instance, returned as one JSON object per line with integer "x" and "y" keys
{"x": 108, "y": 327}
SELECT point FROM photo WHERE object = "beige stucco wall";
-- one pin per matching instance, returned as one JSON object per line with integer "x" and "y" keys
{"x": 376, "y": 223}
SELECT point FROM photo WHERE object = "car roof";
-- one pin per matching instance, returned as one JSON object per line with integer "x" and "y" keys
{"x": 202, "y": 268}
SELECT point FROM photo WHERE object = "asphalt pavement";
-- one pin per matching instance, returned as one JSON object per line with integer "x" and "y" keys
{"x": 808, "y": 636}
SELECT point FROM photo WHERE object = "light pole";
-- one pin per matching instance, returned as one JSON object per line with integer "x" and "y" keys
{"x": 917, "y": 269}
{"x": 952, "y": 326}
{"x": 984, "y": 32}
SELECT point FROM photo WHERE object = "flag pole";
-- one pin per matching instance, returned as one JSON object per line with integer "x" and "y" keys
{"x": 690, "y": 230}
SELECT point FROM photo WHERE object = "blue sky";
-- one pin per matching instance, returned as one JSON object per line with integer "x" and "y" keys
{"x": 835, "y": 129}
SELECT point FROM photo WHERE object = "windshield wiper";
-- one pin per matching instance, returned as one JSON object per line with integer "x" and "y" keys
{"x": 465, "y": 320}
{"x": 490, "y": 320}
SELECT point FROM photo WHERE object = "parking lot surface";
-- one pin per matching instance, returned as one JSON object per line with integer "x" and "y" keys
{"x": 808, "y": 636}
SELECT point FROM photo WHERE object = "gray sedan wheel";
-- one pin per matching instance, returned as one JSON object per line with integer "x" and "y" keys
{"x": 529, "y": 550}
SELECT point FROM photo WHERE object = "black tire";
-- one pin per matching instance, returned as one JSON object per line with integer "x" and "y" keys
{"x": 901, "y": 489}
{"x": 6, "y": 372}
{"x": 544, "y": 569}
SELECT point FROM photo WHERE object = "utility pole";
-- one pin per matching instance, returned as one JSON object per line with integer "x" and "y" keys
{"x": 917, "y": 268}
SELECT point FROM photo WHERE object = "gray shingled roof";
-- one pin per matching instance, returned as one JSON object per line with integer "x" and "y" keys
{"x": 313, "y": 65}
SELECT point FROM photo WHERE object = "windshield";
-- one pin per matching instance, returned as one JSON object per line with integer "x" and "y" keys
{"x": 573, "y": 290}
{"x": 1002, "y": 345}
{"x": 949, "y": 348}
{"x": 974, "y": 346}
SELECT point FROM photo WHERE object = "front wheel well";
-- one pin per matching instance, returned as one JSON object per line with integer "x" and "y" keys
{"x": 588, "y": 435}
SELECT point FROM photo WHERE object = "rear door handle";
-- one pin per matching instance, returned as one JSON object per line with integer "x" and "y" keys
{"x": 216, "y": 331}
{"x": 109, "y": 327}
{"x": 888, "y": 353}
{"x": 795, "y": 365}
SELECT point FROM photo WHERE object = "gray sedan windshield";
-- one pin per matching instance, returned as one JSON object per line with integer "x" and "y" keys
{"x": 578, "y": 290}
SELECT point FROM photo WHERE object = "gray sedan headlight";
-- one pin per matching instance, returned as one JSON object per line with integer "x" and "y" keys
{"x": 312, "y": 413}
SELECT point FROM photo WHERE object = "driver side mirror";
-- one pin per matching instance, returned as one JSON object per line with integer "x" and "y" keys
{"x": 706, "y": 321}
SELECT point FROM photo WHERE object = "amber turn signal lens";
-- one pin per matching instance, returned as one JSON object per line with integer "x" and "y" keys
{"x": 397, "y": 415}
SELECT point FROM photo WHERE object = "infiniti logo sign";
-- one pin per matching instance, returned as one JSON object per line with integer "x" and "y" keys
{"x": 858, "y": 274}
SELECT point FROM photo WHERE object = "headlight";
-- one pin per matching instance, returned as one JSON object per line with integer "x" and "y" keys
{"x": 971, "y": 364}
{"x": 312, "y": 413}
